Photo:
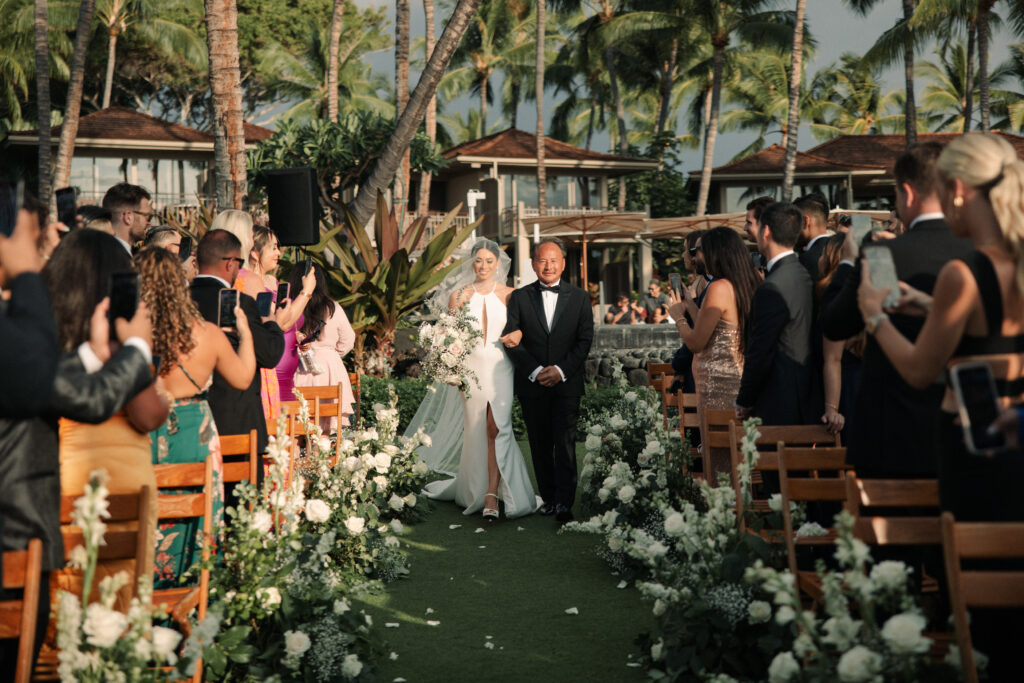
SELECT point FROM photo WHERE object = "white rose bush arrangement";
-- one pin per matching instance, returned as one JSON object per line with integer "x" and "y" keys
{"x": 447, "y": 343}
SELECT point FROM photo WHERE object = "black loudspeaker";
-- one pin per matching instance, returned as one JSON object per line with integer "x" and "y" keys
{"x": 293, "y": 206}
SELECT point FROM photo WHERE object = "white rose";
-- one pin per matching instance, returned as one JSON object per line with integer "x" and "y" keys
{"x": 448, "y": 359}
{"x": 783, "y": 668}
{"x": 902, "y": 633}
{"x": 602, "y": 494}
{"x": 165, "y": 641}
{"x": 626, "y": 493}
{"x": 660, "y": 606}
{"x": 775, "y": 502}
{"x": 381, "y": 481}
{"x": 615, "y": 544}
{"x": 841, "y": 631}
{"x": 341, "y": 606}
{"x": 352, "y": 463}
{"x": 656, "y": 550}
{"x": 657, "y": 650}
{"x": 784, "y": 615}
{"x": 859, "y": 665}
{"x": 351, "y": 667}
{"x": 295, "y": 642}
{"x": 396, "y": 526}
{"x": 593, "y": 442}
{"x": 269, "y": 597}
{"x": 643, "y": 459}
{"x": 324, "y": 443}
{"x": 675, "y": 524}
{"x": 420, "y": 468}
{"x": 261, "y": 521}
{"x": 382, "y": 461}
{"x": 596, "y": 429}
{"x": 610, "y": 482}
{"x": 410, "y": 499}
{"x": 630, "y": 396}
{"x": 102, "y": 626}
{"x": 317, "y": 510}
{"x": 369, "y": 462}
{"x": 759, "y": 612}
{"x": 395, "y": 502}
{"x": 456, "y": 348}
{"x": 610, "y": 518}
{"x": 889, "y": 574}
{"x": 426, "y": 331}
{"x": 355, "y": 525}
{"x": 391, "y": 541}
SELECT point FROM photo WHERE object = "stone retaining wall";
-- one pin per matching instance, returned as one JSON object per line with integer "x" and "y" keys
{"x": 631, "y": 348}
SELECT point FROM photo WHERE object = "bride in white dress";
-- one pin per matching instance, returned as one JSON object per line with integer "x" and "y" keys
{"x": 491, "y": 467}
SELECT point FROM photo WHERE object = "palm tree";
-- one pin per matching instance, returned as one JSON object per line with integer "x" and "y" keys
{"x": 935, "y": 17}
{"x": 851, "y": 101}
{"x": 401, "y": 192}
{"x": 171, "y": 38}
{"x": 226, "y": 89}
{"x": 795, "y": 77}
{"x": 542, "y": 175}
{"x": 43, "y": 95}
{"x": 945, "y": 99}
{"x": 431, "y": 120}
{"x": 1007, "y": 104}
{"x": 332, "y": 59}
{"x": 69, "y": 129}
{"x": 465, "y": 126}
{"x": 405, "y": 128}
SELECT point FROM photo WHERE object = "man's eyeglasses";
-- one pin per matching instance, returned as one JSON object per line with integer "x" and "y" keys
{"x": 237, "y": 260}
{"x": 148, "y": 215}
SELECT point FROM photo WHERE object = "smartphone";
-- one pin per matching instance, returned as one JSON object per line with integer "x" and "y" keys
{"x": 861, "y": 227}
{"x": 315, "y": 333}
{"x": 676, "y": 281}
{"x": 283, "y": 292}
{"x": 66, "y": 200}
{"x": 12, "y": 195}
{"x": 883, "y": 272}
{"x": 975, "y": 391}
{"x": 226, "y": 308}
{"x": 263, "y": 303}
{"x": 185, "y": 248}
{"x": 124, "y": 298}
{"x": 307, "y": 265}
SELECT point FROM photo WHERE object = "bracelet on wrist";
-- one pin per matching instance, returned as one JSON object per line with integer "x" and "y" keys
{"x": 872, "y": 323}
{"x": 832, "y": 406}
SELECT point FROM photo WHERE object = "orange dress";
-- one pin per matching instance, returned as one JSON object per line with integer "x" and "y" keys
{"x": 270, "y": 390}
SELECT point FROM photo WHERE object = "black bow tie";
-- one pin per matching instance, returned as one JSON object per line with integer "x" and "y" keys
{"x": 556, "y": 288}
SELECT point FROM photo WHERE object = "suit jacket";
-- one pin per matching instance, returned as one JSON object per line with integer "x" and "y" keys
{"x": 777, "y": 373}
{"x": 810, "y": 257}
{"x": 234, "y": 411}
{"x": 566, "y": 344}
{"x": 891, "y": 421}
{"x": 29, "y": 462}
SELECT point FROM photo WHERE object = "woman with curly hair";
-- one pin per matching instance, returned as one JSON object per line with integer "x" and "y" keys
{"x": 191, "y": 350}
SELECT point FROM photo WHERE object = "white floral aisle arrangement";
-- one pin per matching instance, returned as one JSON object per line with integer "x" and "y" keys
{"x": 282, "y": 596}
{"x": 446, "y": 344}
{"x": 99, "y": 643}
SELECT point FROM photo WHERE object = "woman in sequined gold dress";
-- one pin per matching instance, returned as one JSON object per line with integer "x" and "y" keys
{"x": 717, "y": 335}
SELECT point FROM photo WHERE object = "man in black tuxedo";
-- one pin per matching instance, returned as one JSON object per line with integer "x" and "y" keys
{"x": 777, "y": 381}
{"x": 891, "y": 421}
{"x": 558, "y": 328}
{"x": 235, "y": 412}
{"x": 814, "y": 234}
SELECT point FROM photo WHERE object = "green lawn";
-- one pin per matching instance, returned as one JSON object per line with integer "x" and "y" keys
{"x": 512, "y": 581}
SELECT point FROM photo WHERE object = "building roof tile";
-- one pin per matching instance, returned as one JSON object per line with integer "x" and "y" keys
{"x": 513, "y": 143}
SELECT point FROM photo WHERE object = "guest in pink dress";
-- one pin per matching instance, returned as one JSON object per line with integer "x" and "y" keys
{"x": 335, "y": 339}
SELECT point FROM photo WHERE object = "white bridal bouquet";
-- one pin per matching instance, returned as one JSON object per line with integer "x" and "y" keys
{"x": 448, "y": 343}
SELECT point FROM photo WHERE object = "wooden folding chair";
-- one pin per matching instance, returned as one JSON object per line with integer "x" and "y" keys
{"x": 894, "y": 493}
{"x": 976, "y": 587}
{"x": 22, "y": 569}
{"x": 659, "y": 378}
{"x": 800, "y": 479}
{"x": 768, "y": 461}
{"x": 689, "y": 411}
{"x": 714, "y": 433}
{"x": 240, "y": 470}
{"x": 179, "y": 601}
{"x": 357, "y": 383}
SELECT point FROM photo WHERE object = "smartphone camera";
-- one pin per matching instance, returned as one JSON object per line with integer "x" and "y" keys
{"x": 264, "y": 300}
{"x": 226, "y": 308}
{"x": 283, "y": 292}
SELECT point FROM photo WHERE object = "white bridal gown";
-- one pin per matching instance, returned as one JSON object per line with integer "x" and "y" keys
{"x": 495, "y": 374}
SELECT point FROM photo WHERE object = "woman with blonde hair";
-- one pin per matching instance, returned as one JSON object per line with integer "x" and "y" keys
{"x": 191, "y": 349}
{"x": 238, "y": 223}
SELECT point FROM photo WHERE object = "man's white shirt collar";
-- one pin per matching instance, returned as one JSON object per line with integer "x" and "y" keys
{"x": 775, "y": 259}
{"x": 821, "y": 236}
{"x": 126, "y": 246}
{"x": 935, "y": 215}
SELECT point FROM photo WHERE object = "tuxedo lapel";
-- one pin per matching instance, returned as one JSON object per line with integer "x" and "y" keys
{"x": 538, "y": 306}
{"x": 560, "y": 304}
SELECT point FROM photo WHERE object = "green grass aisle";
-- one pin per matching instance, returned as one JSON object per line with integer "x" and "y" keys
{"x": 513, "y": 581}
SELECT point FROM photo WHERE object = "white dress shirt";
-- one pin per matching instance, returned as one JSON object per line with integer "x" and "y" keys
{"x": 550, "y": 300}
{"x": 775, "y": 259}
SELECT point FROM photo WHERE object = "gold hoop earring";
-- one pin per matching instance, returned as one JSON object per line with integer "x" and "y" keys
{"x": 958, "y": 202}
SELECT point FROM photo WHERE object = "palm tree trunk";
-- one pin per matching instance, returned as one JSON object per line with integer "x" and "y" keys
{"x": 405, "y": 128}
{"x": 590, "y": 123}
{"x": 793, "y": 120}
{"x": 620, "y": 116}
{"x": 972, "y": 29}
{"x": 542, "y": 173}
{"x": 401, "y": 193}
{"x": 431, "y": 123}
{"x": 666, "y": 88}
{"x": 517, "y": 91}
{"x": 483, "y": 104}
{"x": 908, "y": 76}
{"x": 69, "y": 129}
{"x": 332, "y": 60}
{"x": 226, "y": 92}
{"x": 711, "y": 131}
{"x": 42, "y": 48}
{"x": 983, "y": 34}
{"x": 108, "y": 82}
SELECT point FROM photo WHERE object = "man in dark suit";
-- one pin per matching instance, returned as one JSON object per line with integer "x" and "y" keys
{"x": 558, "y": 328}
{"x": 814, "y": 233}
{"x": 235, "y": 412}
{"x": 890, "y": 420}
{"x": 777, "y": 378}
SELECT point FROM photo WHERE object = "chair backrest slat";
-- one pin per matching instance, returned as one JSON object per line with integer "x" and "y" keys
{"x": 817, "y": 489}
{"x": 180, "y": 475}
{"x": 895, "y": 492}
{"x": 988, "y": 540}
{"x": 898, "y": 530}
{"x": 22, "y": 569}
{"x": 992, "y": 589}
{"x": 180, "y": 505}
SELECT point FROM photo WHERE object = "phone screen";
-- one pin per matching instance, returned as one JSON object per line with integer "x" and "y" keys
{"x": 226, "y": 307}
{"x": 66, "y": 207}
{"x": 883, "y": 272}
{"x": 124, "y": 297}
{"x": 263, "y": 302}
{"x": 185, "y": 248}
{"x": 677, "y": 282}
{"x": 283, "y": 292}
{"x": 976, "y": 396}
{"x": 307, "y": 265}
{"x": 11, "y": 195}
{"x": 860, "y": 227}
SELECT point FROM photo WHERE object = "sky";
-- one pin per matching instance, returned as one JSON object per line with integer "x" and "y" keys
{"x": 836, "y": 28}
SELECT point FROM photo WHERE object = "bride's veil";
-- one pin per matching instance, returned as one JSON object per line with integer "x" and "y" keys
{"x": 440, "y": 413}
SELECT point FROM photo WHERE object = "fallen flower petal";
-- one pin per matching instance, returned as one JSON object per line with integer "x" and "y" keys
{"x": 572, "y": 610}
